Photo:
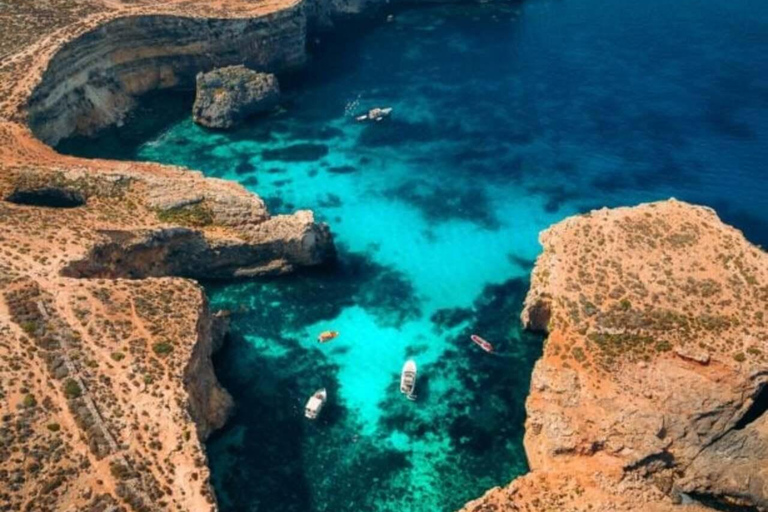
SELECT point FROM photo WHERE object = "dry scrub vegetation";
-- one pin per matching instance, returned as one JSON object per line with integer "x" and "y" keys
{"x": 637, "y": 283}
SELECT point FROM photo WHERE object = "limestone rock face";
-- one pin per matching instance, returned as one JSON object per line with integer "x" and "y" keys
{"x": 209, "y": 403}
{"x": 95, "y": 305}
{"x": 228, "y": 95}
{"x": 653, "y": 387}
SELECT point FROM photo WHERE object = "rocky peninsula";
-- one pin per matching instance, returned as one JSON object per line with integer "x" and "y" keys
{"x": 650, "y": 391}
{"x": 107, "y": 389}
{"x": 653, "y": 387}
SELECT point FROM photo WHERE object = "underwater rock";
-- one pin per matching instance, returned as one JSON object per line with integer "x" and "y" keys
{"x": 226, "y": 96}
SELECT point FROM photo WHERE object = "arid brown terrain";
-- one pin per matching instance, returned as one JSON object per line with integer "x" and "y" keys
{"x": 653, "y": 386}
{"x": 106, "y": 387}
{"x": 648, "y": 393}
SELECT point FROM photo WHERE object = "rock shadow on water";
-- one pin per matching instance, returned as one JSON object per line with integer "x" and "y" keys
{"x": 283, "y": 461}
{"x": 267, "y": 466}
{"x": 290, "y": 303}
{"x": 522, "y": 263}
{"x": 440, "y": 202}
{"x": 493, "y": 408}
{"x": 277, "y": 205}
{"x": 303, "y": 152}
{"x": 154, "y": 113}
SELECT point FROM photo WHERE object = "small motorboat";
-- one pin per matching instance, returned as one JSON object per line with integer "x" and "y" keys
{"x": 327, "y": 336}
{"x": 375, "y": 114}
{"x": 408, "y": 379}
{"x": 315, "y": 404}
{"x": 484, "y": 344}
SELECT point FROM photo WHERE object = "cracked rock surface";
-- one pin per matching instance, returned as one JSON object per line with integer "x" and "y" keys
{"x": 653, "y": 387}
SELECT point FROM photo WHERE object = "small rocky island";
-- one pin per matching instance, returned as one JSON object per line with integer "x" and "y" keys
{"x": 227, "y": 96}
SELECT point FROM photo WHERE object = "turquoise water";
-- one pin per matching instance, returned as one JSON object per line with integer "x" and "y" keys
{"x": 506, "y": 119}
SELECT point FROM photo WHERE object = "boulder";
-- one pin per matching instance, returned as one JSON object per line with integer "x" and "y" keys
{"x": 226, "y": 96}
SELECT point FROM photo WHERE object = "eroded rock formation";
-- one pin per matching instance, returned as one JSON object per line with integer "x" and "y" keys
{"x": 106, "y": 387}
{"x": 652, "y": 388}
{"x": 92, "y": 81}
{"x": 650, "y": 392}
{"x": 226, "y": 96}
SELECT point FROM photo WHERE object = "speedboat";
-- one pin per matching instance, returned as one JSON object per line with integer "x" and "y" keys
{"x": 327, "y": 336}
{"x": 408, "y": 379}
{"x": 485, "y": 345}
{"x": 315, "y": 404}
{"x": 375, "y": 114}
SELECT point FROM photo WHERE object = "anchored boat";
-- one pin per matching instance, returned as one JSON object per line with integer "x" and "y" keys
{"x": 408, "y": 379}
{"x": 315, "y": 404}
{"x": 327, "y": 336}
{"x": 485, "y": 345}
{"x": 375, "y": 114}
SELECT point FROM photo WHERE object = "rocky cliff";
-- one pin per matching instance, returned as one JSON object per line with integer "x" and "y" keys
{"x": 92, "y": 80}
{"x": 653, "y": 387}
{"x": 107, "y": 388}
{"x": 226, "y": 96}
{"x": 651, "y": 391}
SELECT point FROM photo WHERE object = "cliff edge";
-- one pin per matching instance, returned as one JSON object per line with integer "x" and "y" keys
{"x": 653, "y": 387}
{"x": 107, "y": 388}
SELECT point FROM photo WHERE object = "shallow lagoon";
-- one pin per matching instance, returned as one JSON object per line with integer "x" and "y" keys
{"x": 506, "y": 120}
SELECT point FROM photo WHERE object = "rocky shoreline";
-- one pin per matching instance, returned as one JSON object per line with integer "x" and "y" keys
{"x": 109, "y": 389}
{"x": 651, "y": 392}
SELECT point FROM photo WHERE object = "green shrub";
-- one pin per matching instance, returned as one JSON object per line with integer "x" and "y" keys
{"x": 740, "y": 357}
{"x": 29, "y": 400}
{"x": 29, "y": 327}
{"x": 119, "y": 471}
{"x": 162, "y": 348}
{"x": 117, "y": 356}
{"x": 196, "y": 215}
{"x": 53, "y": 427}
{"x": 72, "y": 389}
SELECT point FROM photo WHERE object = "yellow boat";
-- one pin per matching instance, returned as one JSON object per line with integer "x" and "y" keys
{"x": 327, "y": 336}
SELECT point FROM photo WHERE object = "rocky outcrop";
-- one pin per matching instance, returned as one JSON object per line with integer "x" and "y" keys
{"x": 93, "y": 80}
{"x": 651, "y": 389}
{"x": 113, "y": 384}
{"x": 226, "y": 96}
{"x": 280, "y": 245}
{"x": 209, "y": 403}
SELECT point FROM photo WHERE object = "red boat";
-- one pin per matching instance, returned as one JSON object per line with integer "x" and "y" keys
{"x": 483, "y": 343}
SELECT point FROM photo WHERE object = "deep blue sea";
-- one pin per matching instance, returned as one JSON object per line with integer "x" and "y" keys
{"x": 506, "y": 119}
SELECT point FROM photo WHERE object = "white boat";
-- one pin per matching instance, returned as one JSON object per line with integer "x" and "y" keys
{"x": 315, "y": 404}
{"x": 375, "y": 114}
{"x": 408, "y": 379}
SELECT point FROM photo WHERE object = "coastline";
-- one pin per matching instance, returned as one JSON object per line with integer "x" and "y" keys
{"x": 149, "y": 182}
